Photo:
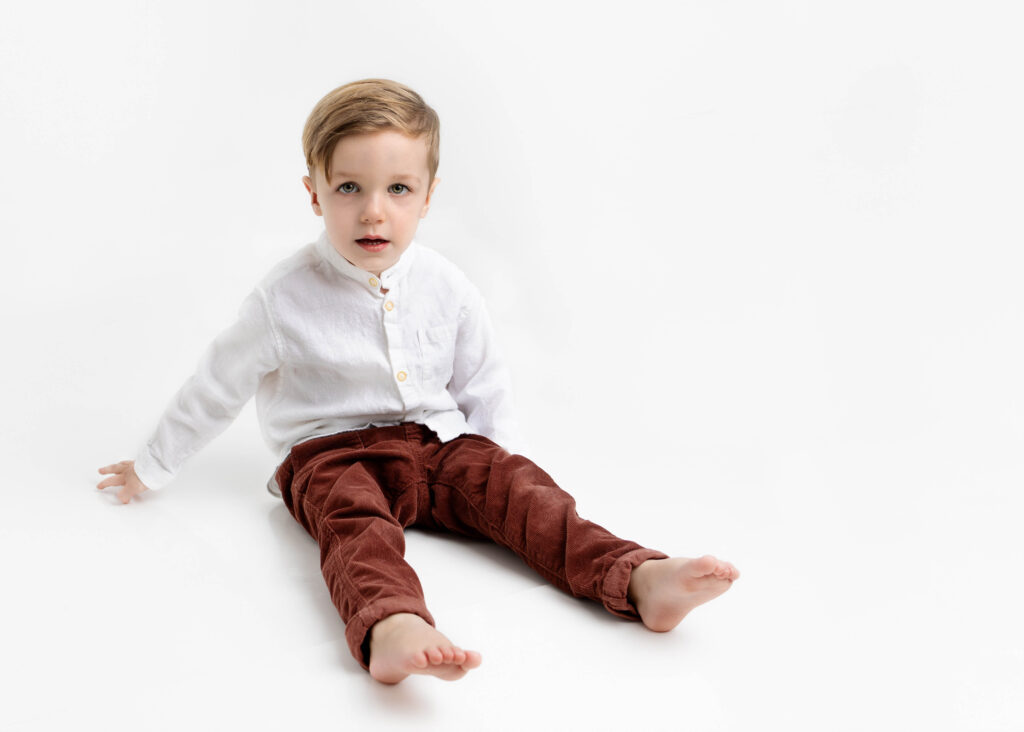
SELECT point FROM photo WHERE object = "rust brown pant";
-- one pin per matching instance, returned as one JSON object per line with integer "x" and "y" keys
{"x": 354, "y": 492}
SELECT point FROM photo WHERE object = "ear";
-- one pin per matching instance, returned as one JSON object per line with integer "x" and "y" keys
{"x": 430, "y": 195}
{"x": 311, "y": 189}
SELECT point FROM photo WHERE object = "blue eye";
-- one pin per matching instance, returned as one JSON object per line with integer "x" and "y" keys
{"x": 348, "y": 187}
{"x": 398, "y": 188}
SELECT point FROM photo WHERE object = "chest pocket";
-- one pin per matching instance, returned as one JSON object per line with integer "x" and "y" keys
{"x": 436, "y": 354}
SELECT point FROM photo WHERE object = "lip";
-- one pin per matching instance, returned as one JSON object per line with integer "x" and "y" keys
{"x": 372, "y": 243}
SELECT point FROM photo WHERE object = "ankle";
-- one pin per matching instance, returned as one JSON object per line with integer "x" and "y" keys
{"x": 639, "y": 582}
{"x": 395, "y": 621}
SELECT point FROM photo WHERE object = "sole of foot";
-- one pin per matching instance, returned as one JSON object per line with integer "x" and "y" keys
{"x": 666, "y": 590}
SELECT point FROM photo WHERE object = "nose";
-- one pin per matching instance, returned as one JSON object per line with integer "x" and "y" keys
{"x": 373, "y": 210}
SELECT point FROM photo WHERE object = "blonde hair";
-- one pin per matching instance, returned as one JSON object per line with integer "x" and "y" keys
{"x": 366, "y": 106}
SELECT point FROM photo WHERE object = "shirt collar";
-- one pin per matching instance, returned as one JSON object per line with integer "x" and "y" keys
{"x": 388, "y": 278}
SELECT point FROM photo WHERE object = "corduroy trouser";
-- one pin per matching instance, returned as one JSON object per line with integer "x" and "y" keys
{"x": 355, "y": 492}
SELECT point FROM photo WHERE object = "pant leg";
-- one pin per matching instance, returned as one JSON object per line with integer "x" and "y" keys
{"x": 354, "y": 499}
{"x": 478, "y": 488}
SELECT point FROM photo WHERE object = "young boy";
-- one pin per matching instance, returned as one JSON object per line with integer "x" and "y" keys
{"x": 378, "y": 383}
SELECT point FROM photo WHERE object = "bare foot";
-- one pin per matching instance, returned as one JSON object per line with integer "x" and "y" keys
{"x": 403, "y": 644}
{"x": 665, "y": 590}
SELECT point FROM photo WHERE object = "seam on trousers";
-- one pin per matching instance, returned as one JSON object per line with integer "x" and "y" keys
{"x": 331, "y": 534}
{"x": 309, "y": 466}
{"x": 343, "y": 572}
{"x": 422, "y": 478}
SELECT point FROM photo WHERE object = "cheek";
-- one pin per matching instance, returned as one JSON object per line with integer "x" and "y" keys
{"x": 410, "y": 222}
{"x": 336, "y": 209}
{"x": 404, "y": 216}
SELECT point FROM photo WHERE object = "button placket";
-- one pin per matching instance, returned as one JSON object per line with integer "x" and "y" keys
{"x": 396, "y": 342}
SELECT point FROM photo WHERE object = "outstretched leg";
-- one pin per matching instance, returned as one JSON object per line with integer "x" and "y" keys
{"x": 480, "y": 489}
{"x": 337, "y": 496}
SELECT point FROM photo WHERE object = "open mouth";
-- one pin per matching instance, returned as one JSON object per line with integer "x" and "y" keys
{"x": 372, "y": 243}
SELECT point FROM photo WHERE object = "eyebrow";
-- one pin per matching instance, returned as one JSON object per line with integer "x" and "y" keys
{"x": 342, "y": 174}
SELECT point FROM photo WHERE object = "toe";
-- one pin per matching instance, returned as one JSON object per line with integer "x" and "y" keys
{"x": 451, "y": 673}
{"x": 473, "y": 659}
{"x": 704, "y": 565}
{"x": 727, "y": 571}
{"x": 420, "y": 660}
{"x": 448, "y": 654}
{"x": 435, "y": 655}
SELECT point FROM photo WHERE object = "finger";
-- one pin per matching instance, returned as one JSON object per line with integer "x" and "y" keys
{"x": 115, "y": 468}
{"x": 125, "y": 495}
{"x": 115, "y": 480}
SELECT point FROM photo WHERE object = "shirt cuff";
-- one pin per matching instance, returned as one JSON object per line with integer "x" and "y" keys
{"x": 152, "y": 474}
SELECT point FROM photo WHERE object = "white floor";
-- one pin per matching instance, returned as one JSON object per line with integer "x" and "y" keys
{"x": 202, "y": 606}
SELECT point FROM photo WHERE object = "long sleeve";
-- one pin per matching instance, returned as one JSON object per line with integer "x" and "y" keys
{"x": 226, "y": 378}
{"x": 480, "y": 383}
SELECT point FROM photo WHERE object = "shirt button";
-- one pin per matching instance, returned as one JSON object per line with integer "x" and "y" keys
{"x": 374, "y": 282}
{"x": 402, "y": 376}
{"x": 389, "y": 306}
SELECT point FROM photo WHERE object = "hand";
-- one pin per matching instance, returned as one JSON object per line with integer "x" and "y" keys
{"x": 124, "y": 474}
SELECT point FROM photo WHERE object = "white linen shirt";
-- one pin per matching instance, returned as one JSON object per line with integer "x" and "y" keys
{"x": 326, "y": 350}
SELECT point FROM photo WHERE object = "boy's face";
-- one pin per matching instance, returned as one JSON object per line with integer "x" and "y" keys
{"x": 377, "y": 194}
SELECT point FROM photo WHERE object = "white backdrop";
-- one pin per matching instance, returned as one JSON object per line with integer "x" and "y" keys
{"x": 756, "y": 270}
